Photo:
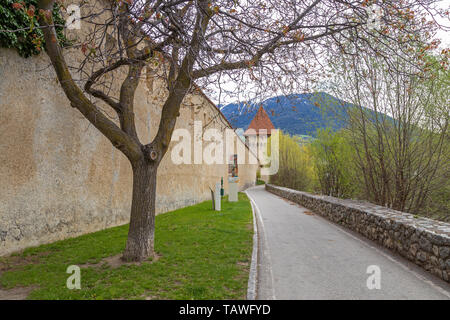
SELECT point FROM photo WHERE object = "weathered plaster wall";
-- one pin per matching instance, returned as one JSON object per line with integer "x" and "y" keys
{"x": 424, "y": 241}
{"x": 59, "y": 177}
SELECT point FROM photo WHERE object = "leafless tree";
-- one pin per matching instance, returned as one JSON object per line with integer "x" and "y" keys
{"x": 274, "y": 43}
{"x": 399, "y": 127}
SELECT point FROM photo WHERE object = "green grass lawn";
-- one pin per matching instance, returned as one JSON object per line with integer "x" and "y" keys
{"x": 204, "y": 254}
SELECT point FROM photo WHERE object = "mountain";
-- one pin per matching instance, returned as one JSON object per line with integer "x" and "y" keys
{"x": 296, "y": 114}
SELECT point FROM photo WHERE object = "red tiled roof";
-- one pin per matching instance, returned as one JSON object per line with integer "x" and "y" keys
{"x": 260, "y": 121}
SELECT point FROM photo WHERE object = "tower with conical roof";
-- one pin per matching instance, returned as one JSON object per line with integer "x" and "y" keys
{"x": 261, "y": 121}
{"x": 260, "y": 124}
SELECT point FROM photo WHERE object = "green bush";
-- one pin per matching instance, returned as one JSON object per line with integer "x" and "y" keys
{"x": 333, "y": 163}
{"x": 19, "y": 27}
{"x": 295, "y": 167}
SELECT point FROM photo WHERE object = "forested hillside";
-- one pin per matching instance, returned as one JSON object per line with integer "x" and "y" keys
{"x": 296, "y": 114}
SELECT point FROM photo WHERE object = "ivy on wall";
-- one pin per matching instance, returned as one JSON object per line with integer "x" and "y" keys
{"x": 19, "y": 27}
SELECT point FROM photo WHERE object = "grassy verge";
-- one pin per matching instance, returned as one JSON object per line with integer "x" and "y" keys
{"x": 203, "y": 255}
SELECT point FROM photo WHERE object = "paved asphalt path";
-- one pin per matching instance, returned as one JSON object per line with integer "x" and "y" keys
{"x": 305, "y": 256}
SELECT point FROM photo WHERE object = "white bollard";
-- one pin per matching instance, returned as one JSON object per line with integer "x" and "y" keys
{"x": 217, "y": 197}
{"x": 232, "y": 191}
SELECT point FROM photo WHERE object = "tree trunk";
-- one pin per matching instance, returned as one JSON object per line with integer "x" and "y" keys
{"x": 141, "y": 233}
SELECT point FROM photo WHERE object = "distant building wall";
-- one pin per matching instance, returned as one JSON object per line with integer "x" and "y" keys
{"x": 59, "y": 177}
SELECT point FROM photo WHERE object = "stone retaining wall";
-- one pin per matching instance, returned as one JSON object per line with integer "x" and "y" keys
{"x": 424, "y": 241}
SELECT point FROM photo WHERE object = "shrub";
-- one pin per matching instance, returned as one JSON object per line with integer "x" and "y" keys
{"x": 20, "y": 27}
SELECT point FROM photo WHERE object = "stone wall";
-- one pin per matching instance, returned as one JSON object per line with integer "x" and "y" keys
{"x": 424, "y": 241}
{"x": 59, "y": 177}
